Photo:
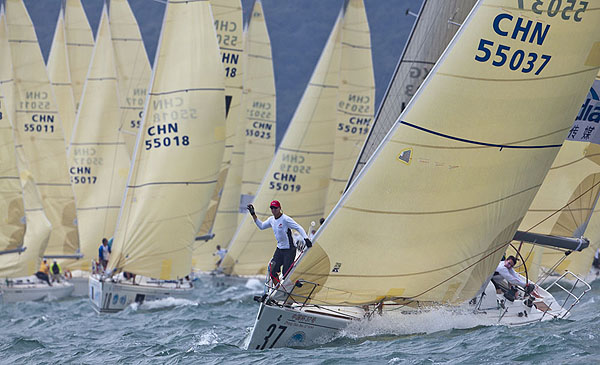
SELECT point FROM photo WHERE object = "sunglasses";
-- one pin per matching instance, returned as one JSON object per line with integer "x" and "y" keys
{"x": 274, "y": 207}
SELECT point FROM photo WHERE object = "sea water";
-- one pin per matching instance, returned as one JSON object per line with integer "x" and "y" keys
{"x": 212, "y": 327}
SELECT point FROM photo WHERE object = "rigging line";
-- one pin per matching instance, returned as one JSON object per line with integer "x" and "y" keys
{"x": 566, "y": 205}
{"x": 477, "y": 142}
{"x": 460, "y": 272}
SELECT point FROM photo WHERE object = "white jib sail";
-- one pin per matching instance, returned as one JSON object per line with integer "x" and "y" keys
{"x": 98, "y": 157}
{"x": 356, "y": 98}
{"x": 179, "y": 149}
{"x": 431, "y": 214}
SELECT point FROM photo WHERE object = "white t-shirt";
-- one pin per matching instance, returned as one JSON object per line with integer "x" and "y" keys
{"x": 510, "y": 275}
{"x": 221, "y": 253}
{"x": 280, "y": 227}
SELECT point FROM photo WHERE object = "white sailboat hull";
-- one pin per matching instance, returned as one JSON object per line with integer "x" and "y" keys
{"x": 26, "y": 292}
{"x": 277, "y": 326}
{"x": 107, "y": 296}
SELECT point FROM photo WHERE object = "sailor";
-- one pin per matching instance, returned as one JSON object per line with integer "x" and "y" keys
{"x": 596, "y": 262}
{"x": 104, "y": 253}
{"x": 55, "y": 270}
{"x": 221, "y": 252}
{"x": 505, "y": 271}
{"x": 42, "y": 273}
{"x": 282, "y": 228}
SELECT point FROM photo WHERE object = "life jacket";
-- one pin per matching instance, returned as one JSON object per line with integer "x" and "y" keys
{"x": 55, "y": 268}
{"x": 44, "y": 268}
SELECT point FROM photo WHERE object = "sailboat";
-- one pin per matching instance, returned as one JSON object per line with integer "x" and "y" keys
{"x": 39, "y": 131}
{"x": 175, "y": 166}
{"x": 25, "y": 231}
{"x": 222, "y": 216}
{"x": 98, "y": 157}
{"x": 435, "y": 25}
{"x": 300, "y": 171}
{"x": 133, "y": 69}
{"x": 427, "y": 220}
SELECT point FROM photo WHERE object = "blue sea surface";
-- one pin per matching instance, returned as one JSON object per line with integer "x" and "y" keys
{"x": 212, "y": 328}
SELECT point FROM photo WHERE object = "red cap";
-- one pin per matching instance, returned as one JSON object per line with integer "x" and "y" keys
{"x": 275, "y": 203}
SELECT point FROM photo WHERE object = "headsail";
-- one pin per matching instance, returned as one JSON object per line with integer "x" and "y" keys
{"x": 80, "y": 44}
{"x": 222, "y": 215}
{"x": 98, "y": 157}
{"x": 133, "y": 68}
{"x": 169, "y": 186}
{"x": 432, "y": 212}
{"x": 39, "y": 131}
{"x": 356, "y": 98}
{"x": 436, "y": 24}
{"x": 299, "y": 172}
{"x": 260, "y": 102}
{"x": 60, "y": 78}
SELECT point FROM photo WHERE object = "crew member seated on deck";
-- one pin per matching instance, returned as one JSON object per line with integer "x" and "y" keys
{"x": 42, "y": 273}
{"x": 505, "y": 271}
{"x": 282, "y": 226}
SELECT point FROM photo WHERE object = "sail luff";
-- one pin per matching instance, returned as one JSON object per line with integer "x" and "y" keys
{"x": 80, "y": 44}
{"x": 133, "y": 68}
{"x": 38, "y": 129}
{"x": 98, "y": 155}
{"x": 60, "y": 78}
{"x": 431, "y": 214}
{"x": 431, "y": 33}
{"x": 300, "y": 170}
{"x": 165, "y": 202}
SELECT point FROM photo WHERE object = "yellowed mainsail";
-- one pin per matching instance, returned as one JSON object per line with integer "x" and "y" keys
{"x": 98, "y": 157}
{"x": 60, "y": 78}
{"x": 133, "y": 68}
{"x": 436, "y": 24}
{"x": 260, "y": 102}
{"x": 356, "y": 98}
{"x": 299, "y": 172}
{"x": 226, "y": 199}
{"x": 80, "y": 44}
{"x": 39, "y": 131}
{"x": 12, "y": 226}
{"x": 170, "y": 186}
{"x": 430, "y": 215}
{"x": 29, "y": 207}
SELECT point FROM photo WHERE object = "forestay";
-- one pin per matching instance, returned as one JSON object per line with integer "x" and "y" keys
{"x": 133, "y": 69}
{"x": 429, "y": 217}
{"x": 355, "y": 99}
{"x": 299, "y": 172}
{"x": 179, "y": 149}
{"x": 39, "y": 131}
{"x": 436, "y": 24}
{"x": 98, "y": 157}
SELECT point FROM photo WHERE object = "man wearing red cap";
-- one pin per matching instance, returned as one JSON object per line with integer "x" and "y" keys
{"x": 282, "y": 227}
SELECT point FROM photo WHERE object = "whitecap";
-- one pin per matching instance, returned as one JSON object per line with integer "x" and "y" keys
{"x": 166, "y": 302}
